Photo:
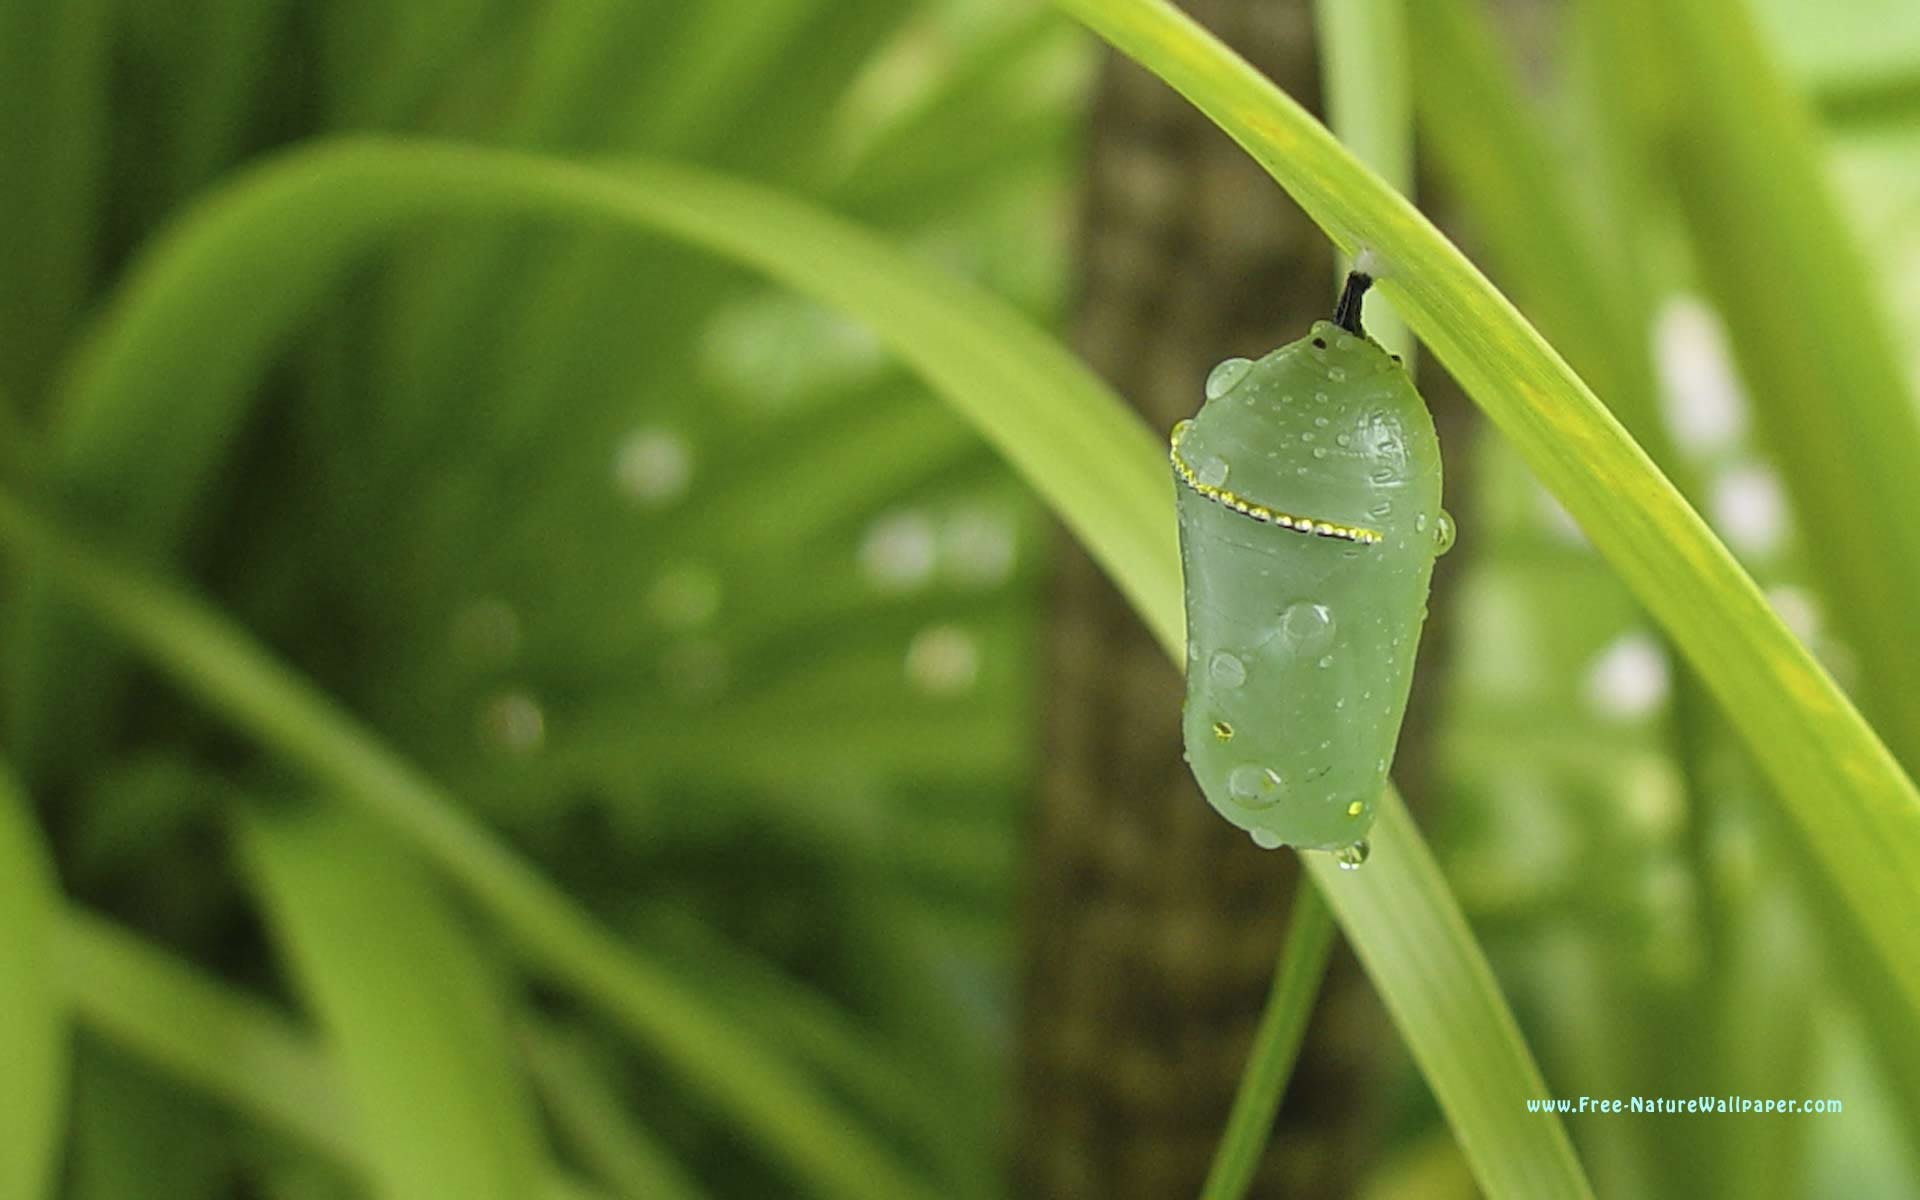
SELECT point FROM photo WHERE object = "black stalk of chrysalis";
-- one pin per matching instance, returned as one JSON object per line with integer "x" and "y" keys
{"x": 1309, "y": 503}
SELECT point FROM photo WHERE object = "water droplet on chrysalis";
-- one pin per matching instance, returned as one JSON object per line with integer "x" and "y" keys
{"x": 1350, "y": 857}
{"x": 1213, "y": 472}
{"x": 1222, "y": 378}
{"x": 1443, "y": 534}
{"x": 1266, "y": 839}
{"x": 1227, "y": 670}
{"x": 1254, "y": 786}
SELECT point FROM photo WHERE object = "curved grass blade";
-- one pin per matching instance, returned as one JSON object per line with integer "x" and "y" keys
{"x": 416, "y": 1021}
{"x": 1276, "y": 1045}
{"x": 237, "y": 1049}
{"x": 1828, "y": 389}
{"x": 33, "y": 1015}
{"x": 588, "y": 1115}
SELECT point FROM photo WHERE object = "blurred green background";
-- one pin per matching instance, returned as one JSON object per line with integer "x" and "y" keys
{"x": 696, "y": 599}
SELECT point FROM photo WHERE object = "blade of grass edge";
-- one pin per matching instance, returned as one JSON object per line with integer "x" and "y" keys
{"x": 1276, "y": 1045}
{"x": 230, "y": 1045}
{"x": 34, "y": 1058}
{"x": 415, "y": 1019}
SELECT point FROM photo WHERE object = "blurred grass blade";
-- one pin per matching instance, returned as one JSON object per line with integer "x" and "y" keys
{"x": 1841, "y": 788}
{"x": 1469, "y": 1049}
{"x": 1276, "y": 1045}
{"x": 235, "y": 1048}
{"x": 591, "y": 1118}
{"x": 1095, "y": 464}
{"x": 1477, "y": 122}
{"x": 408, "y": 1004}
{"x": 54, "y": 60}
{"x": 33, "y": 1016}
{"x": 750, "y": 1082}
{"x": 238, "y": 1049}
{"x": 1804, "y": 313}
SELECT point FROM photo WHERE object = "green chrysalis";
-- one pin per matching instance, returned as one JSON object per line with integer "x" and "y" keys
{"x": 1308, "y": 493}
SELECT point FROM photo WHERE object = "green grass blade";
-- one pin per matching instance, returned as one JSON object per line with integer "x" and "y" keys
{"x": 414, "y": 1015}
{"x": 1276, "y": 1045}
{"x": 1093, "y": 462}
{"x": 1478, "y": 124}
{"x": 216, "y": 661}
{"x": 33, "y": 1015}
{"x": 238, "y": 1049}
{"x": 54, "y": 60}
{"x": 1841, "y": 788}
{"x": 590, "y": 1117}
{"x": 235, "y": 1048}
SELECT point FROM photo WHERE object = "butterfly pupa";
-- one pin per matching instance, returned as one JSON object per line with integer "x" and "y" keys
{"x": 1308, "y": 495}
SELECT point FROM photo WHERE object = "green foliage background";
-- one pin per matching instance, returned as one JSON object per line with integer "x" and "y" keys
{"x": 675, "y": 652}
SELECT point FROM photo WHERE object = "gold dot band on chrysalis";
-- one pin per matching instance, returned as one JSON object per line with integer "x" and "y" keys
{"x": 1260, "y": 512}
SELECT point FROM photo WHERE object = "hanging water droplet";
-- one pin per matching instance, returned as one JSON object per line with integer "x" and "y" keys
{"x": 1226, "y": 669}
{"x": 1266, "y": 839}
{"x": 1319, "y": 451}
{"x": 1350, "y": 857}
{"x": 1443, "y": 533}
{"x": 1326, "y": 660}
{"x": 1254, "y": 786}
{"x": 1307, "y": 626}
{"x": 1222, "y": 378}
{"x": 1342, "y": 439}
{"x": 1213, "y": 472}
